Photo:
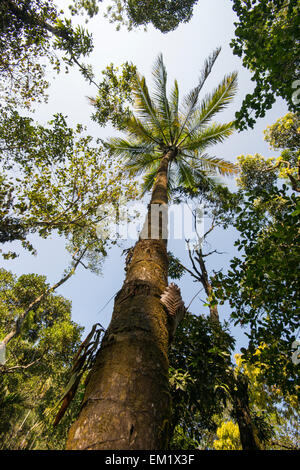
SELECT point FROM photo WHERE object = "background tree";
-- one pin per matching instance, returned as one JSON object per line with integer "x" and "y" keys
{"x": 259, "y": 181}
{"x": 262, "y": 285}
{"x": 162, "y": 138}
{"x": 37, "y": 363}
{"x": 201, "y": 372}
{"x": 60, "y": 180}
{"x": 218, "y": 204}
{"x": 55, "y": 180}
{"x": 199, "y": 364}
{"x": 30, "y": 32}
{"x": 114, "y": 95}
{"x": 227, "y": 437}
{"x": 285, "y": 134}
{"x": 277, "y": 412}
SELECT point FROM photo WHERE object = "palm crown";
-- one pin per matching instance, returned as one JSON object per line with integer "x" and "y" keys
{"x": 160, "y": 125}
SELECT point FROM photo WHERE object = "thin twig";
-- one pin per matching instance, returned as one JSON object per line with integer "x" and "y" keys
{"x": 193, "y": 298}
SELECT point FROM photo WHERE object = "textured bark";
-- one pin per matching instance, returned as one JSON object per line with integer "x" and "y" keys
{"x": 127, "y": 399}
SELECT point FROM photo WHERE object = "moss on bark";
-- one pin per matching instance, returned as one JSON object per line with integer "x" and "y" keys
{"x": 127, "y": 401}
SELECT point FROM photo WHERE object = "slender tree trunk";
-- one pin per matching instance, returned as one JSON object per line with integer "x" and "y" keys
{"x": 240, "y": 396}
{"x": 240, "y": 399}
{"x": 127, "y": 401}
{"x": 248, "y": 433}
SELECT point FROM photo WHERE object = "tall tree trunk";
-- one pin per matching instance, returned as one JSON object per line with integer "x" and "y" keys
{"x": 127, "y": 400}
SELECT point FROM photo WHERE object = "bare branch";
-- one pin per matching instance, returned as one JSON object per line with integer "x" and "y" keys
{"x": 211, "y": 228}
{"x": 212, "y": 252}
{"x": 189, "y": 271}
{"x": 192, "y": 261}
{"x": 8, "y": 370}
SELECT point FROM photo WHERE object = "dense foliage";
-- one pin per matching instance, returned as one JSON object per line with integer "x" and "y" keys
{"x": 31, "y": 31}
{"x": 114, "y": 95}
{"x": 262, "y": 284}
{"x": 267, "y": 39}
{"x": 37, "y": 364}
{"x": 203, "y": 377}
{"x": 55, "y": 178}
{"x": 276, "y": 412}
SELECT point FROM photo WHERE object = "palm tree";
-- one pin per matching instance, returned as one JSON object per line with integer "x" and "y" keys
{"x": 127, "y": 400}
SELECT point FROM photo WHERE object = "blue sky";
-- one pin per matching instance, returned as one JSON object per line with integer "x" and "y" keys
{"x": 184, "y": 52}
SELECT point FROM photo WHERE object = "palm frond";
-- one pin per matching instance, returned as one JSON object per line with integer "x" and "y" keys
{"x": 212, "y": 104}
{"x": 174, "y": 108}
{"x": 160, "y": 125}
{"x": 191, "y": 99}
{"x": 186, "y": 174}
{"x": 127, "y": 149}
{"x": 135, "y": 128}
{"x": 214, "y": 134}
{"x": 210, "y": 165}
{"x": 144, "y": 106}
{"x": 218, "y": 165}
{"x": 160, "y": 94}
{"x": 149, "y": 178}
{"x": 172, "y": 177}
{"x": 141, "y": 163}
{"x": 208, "y": 65}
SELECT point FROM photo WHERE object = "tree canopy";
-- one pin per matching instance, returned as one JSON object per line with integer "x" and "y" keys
{"x": 37, "y": 363}
{"x": 199, "y": 363}
{"x": 267, "y": 40}
{"x": 31, "y": 31}
{"x": 164, "y": 15}
{"x": 262, "y": 284}
{"x": 161, "y": 124}
{"x": 60, "y": 178}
